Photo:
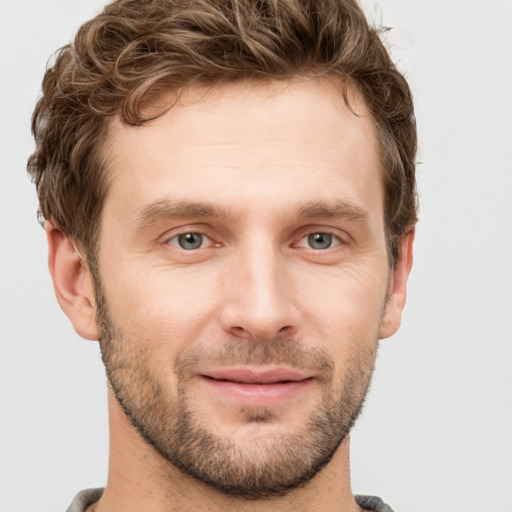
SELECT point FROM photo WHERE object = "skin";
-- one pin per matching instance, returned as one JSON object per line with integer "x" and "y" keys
{"x": 262, "y": 163}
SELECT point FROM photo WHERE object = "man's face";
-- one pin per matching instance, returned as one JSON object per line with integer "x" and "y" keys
{"x": 243, "y": 280}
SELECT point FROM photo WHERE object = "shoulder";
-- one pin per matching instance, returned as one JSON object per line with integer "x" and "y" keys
{"x": 372, "y": 504}
{"x": 85, "y": 499}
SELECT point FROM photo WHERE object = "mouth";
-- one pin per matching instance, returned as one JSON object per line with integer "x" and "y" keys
{"x": 257, "y": 387}
{"x": 256, "y": 376}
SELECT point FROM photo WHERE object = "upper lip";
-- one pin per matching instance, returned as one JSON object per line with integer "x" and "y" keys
{"x": 257, "y": 376}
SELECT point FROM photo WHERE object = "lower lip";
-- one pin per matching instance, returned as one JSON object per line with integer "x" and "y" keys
{"x": 258, "y": 394}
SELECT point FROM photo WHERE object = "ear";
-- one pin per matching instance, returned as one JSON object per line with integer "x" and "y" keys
{"x": 72, "y": 282}
{"x": 398, "y": 288}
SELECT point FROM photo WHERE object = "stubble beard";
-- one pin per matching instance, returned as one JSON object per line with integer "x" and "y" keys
{"x": 263, "y": 466}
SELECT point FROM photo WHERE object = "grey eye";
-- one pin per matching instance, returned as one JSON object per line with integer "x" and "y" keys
{"x": 190, "y": 241}
{"x": 320, "y": 240}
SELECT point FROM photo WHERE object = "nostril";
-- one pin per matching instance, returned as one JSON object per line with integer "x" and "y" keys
{"x": 238, "y": 331}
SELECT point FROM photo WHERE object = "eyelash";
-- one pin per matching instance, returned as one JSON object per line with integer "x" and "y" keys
{"x": 333, "y": 240}
{"x": 178, "y": 245}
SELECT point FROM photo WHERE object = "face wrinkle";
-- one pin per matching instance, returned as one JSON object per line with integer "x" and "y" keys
{"x": 270, "y": 467}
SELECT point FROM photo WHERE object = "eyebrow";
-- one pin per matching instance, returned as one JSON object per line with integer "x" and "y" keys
{"x": 168, "y": 209}
{"x": 338, "y": 209}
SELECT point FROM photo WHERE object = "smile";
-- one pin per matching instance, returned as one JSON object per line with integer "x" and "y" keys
{"x": 257, "y": 388}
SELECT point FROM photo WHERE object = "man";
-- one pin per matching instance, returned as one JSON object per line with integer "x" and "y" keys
{"x": 229, "y": 199}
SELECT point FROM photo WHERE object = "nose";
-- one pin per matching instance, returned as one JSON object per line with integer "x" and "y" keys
{"x": 259, "y": 299}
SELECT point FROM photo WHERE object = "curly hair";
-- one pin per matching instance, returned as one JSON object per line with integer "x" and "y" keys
{"x": 136, "y": 51}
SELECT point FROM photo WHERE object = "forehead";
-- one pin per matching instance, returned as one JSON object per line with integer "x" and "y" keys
{"x": 244, "y": 141}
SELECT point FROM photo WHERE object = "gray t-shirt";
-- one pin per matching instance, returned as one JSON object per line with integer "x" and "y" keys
{"x": 86, "y": 498}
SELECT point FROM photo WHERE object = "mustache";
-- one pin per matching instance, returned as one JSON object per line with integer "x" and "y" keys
{"x": 276, "y": 351}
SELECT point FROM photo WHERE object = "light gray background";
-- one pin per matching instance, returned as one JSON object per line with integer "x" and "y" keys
{"x": 436, "y": 434}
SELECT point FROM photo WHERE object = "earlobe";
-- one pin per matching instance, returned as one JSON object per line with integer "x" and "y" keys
{"x": 72, "y": 282}
{"x": 398, "y": 288}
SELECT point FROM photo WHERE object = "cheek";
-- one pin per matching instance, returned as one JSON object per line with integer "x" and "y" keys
{"x": 344, "y": 317}
{"x": 161, "y": 305}
{"x": 345, "y": 298}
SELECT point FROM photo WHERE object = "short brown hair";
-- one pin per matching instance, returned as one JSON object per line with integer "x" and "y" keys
{"x": 136, "y": 51}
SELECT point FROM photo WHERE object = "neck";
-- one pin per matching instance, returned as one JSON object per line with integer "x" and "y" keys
{"x": 140, "y": 479}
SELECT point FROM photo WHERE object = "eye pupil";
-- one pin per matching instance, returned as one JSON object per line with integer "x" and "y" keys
{"x": 320, "y": 240}
{"x": 190, "y": 241}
